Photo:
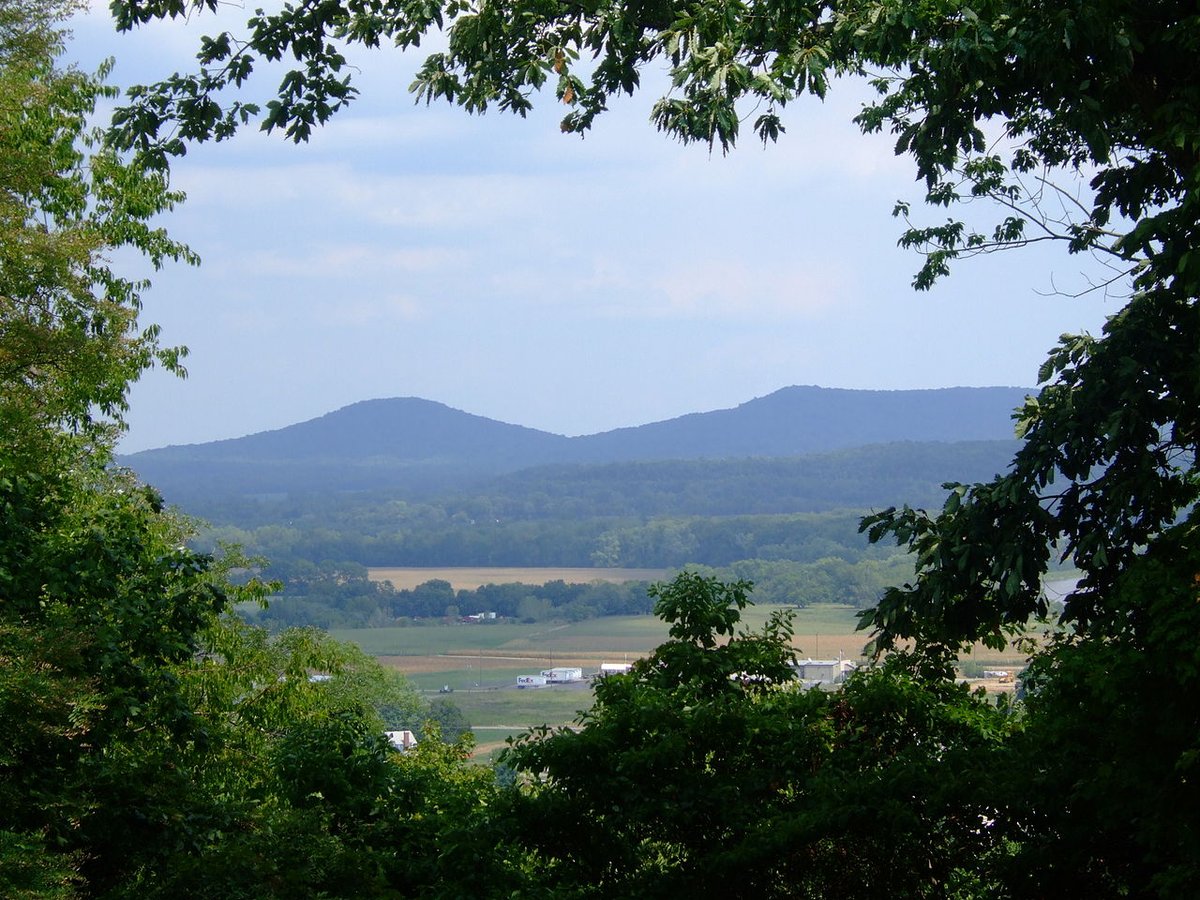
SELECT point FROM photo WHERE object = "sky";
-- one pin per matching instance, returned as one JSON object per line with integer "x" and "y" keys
{"x": 503, "y": 268}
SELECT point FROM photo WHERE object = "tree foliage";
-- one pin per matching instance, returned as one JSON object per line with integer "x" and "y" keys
{"x": 708, "y": 770}
{"x": 931, "y": 792}
{"x": 70, "y": 343}
{"x": 100, "y": 601}
{"x": 151, "y": 743}
{"x": 1103, "y": 774}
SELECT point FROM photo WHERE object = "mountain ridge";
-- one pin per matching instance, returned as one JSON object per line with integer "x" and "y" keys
{"x": 1015, "y": 394}
{"x": 418, "y": 445}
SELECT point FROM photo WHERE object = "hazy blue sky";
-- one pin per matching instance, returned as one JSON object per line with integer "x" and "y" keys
{"x": 500, "y": 267}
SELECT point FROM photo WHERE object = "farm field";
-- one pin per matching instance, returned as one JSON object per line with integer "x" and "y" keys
{"x": 469, "y": 578}
{"x": 466, "y": 655}
{"x": 480, "y": 663}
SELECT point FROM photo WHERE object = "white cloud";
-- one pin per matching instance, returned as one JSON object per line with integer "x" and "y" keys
{"x": 357, "y": 312}
{"x": 341, "y": 260}
{"x": 398, "y": 130}
{"x": 736, "y": 289}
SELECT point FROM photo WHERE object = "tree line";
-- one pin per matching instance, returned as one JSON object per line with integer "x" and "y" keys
{"x": 654, "y": 543}
{"x": 341, "y": 595}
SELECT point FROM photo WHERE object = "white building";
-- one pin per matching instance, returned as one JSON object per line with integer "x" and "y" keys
{"x": 615, "y": 669}
{"x": 823, "y": 671}
{"x": 402, "y": 740}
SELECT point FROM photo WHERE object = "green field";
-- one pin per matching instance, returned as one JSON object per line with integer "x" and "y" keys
{"x": 604, "y": 636}
{"x": 430, "y": 640}
{"x": 516, "y": 709}
{"x": 460, "y": 648}
{"x": 467, "y": 674}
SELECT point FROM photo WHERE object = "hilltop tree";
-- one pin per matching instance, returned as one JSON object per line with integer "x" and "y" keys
{"x": 706, "y": 771}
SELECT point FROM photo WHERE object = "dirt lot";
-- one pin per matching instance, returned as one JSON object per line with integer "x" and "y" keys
{"x": 469, "y": 578}
{"x": 993, "y": 685}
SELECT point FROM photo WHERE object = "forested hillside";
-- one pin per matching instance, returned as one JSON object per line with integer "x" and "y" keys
{"x": 863, "y": 478}
{"x": 790, "y": 525}
{"x": 876, "y": 475}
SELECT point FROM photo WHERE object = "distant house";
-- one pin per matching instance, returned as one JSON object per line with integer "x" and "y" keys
{"x": 812, "y": 672}
{"x": 402, "y": 740}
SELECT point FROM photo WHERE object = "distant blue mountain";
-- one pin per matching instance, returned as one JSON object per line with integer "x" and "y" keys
{"x": 422, "y": 447}
{"x": 403, "y": 428}
{"x": 796, "y": 421}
